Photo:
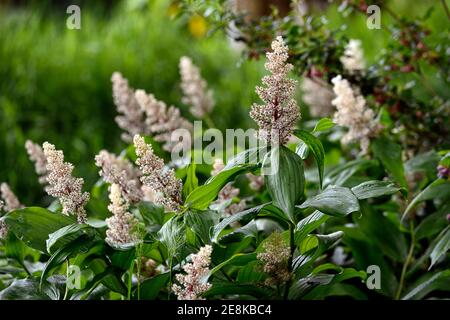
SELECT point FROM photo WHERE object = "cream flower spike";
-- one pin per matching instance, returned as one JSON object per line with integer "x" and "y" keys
{"x": 277, "y": 117}
{"x": 161, "y": 121}
{"x": 195, "y": 89}
{"x": 161, "y": 180}
{"x": 63, "y": 185}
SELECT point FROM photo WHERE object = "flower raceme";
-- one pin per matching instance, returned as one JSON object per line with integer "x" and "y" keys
{"x": 120, "y": 171}
{"x": 121, "y": 226}
{"x": 143, "y": 114}
{"x": 280, "y": 112}
{"x": 11, "y": 202}
{"x": 131, "y": 119}
{"x": 36, "y": 155}
{"x": 161, "y": 121}
{"x": 160, "y": 180}
{"x": 63, "y": 185}
{"x": 275, "y": 259}
{"x": 194, "y": 283}
{"x": 353, "y": 58}
{"x": 194, "y": 87}
{"x": 353, "y": 114}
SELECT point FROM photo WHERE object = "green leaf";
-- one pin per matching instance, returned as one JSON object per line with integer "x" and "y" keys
{"x": 286, "y": 180}
{"x": 429, "y": 283}
{"x": 33, "y": 225}
{"x": 342, "y": 173}
{"x": 238, "y": 259}
{"x": 323, "y": 124}
{"x": 439, "y": 188}
{"x": 109, "y": 279}
{"x": 374, "y": 188}
{"x": 202, "y": 196}
{"x": 390, "y": 155}
{"x": 249, "y": 213}
{"x": 309, "y": 224}
{"x": 303, "y": 285}
{"x": 433, "y": 223}
{"x": 249, "y": 230}
{"x": 335, "y": 201}
{"x": 23, "y": 289}
{"x": 316, "y": 148}
{"x": 173, "y": 235}
{"x": 382, "y": 232}
{"x": 152, "y": 214}
{"x": 441, "y": 247}
{"x": 65, "y": 235}
{"x": 202, "y": 223}
{"x": 324, "y": 290}
{"x": 82, "y": 244}
{"x": 93, "y": 284}
{"x": 250, "y": 273}
{"x": 249, "y": 156}
{"x": 191, "y": 182}
{"x": 303, "y": 263}
{"x": 150, "y": 288}
{"x": 14, "y": 248}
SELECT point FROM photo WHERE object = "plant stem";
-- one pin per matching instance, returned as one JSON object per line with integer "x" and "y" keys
{"x": 291, "y": 257}
{"x": 407, "y": 262}
{"x": 130, "y": 280}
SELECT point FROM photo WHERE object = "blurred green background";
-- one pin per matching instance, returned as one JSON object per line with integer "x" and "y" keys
{"x": 55, "y": 82}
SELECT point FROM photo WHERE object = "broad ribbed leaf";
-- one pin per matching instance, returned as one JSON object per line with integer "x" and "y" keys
{"x": 82, "y": 244}
{"x": 202, "y": 196}
{"x": 249, "y": 214}
{"x": 286, "y": 179}
{"x": 429, "y": 283}
{"x": 238, "y": 259}
{"x": 439, "y": 188}
{"x": 340, "y": 174}
{"x": 309, "y": 224}
{"x": 316, "y": 148}
{"x": 150, "y": 288}
{"x": 202, "y": 223}
{"x": 335, "y": 201}
{"x": 33, "y": 225}
{"x": 251, "y": 156}
{"x": 173, "y": 235}
{"x": 374, "y": 188}
{"x": 65, "y": 235}
{"x": 441, "y": 247}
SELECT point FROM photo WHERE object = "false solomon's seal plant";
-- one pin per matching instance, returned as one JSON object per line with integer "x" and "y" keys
{"x": 148, "y": 230}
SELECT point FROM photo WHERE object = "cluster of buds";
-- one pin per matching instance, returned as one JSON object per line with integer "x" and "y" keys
{"x": 194, "y": 282}
{"x": 63, "y": 186}
{"x": 275, "y": 258}
{"x": 162, "y": 181}
{"x": 277, "y": 117}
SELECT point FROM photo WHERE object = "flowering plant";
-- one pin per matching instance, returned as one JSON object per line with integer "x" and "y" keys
{"x": 152, "y": 228}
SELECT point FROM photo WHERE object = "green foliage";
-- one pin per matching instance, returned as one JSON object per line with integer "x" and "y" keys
{"x": 301, "y": 235}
